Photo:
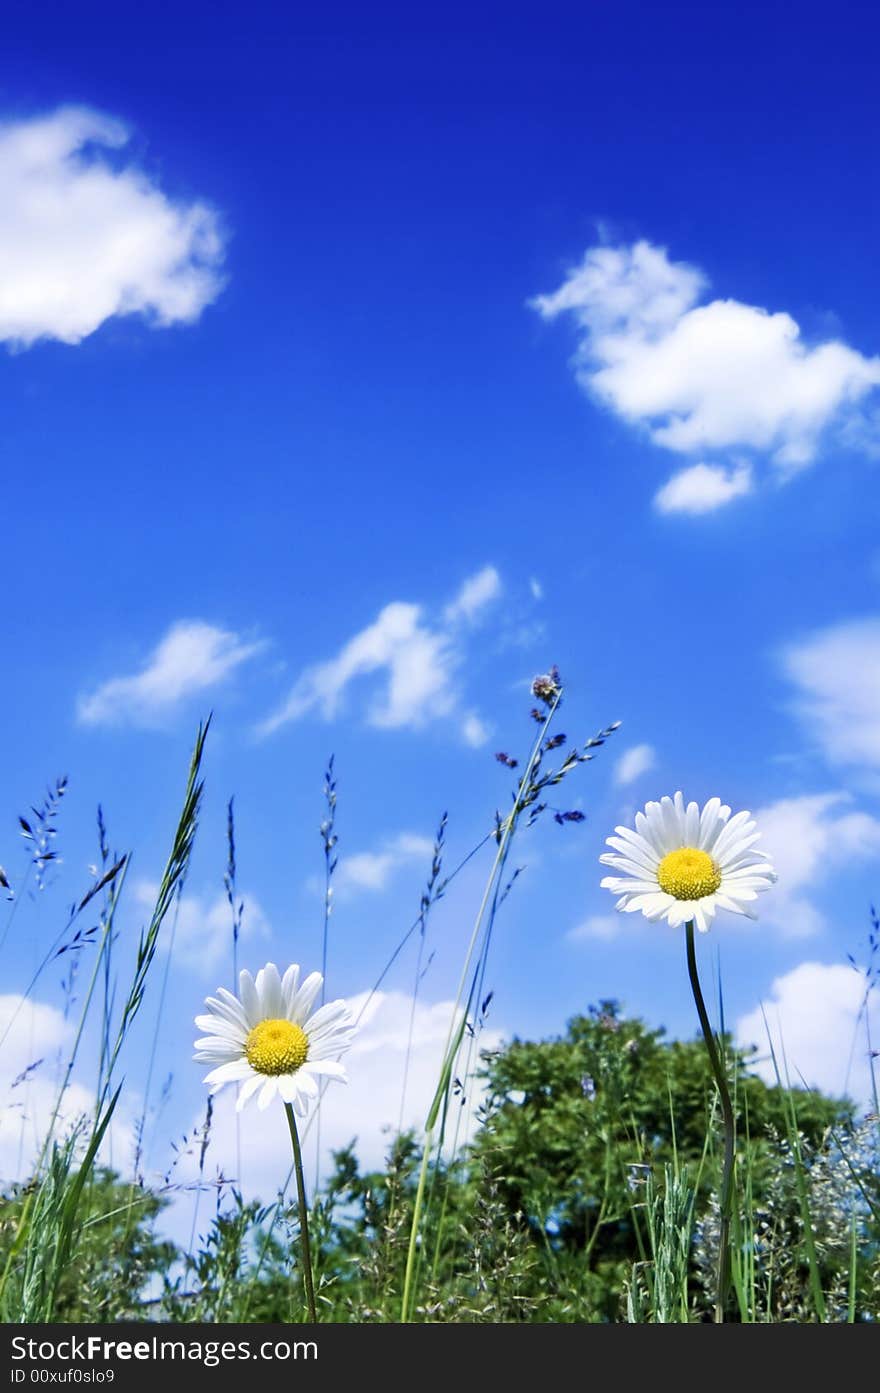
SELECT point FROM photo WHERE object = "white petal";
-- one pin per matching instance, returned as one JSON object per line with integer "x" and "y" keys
{"x": 746, "y": 910}
{"x": 221, "y": 1011}
{"x": 733, "y": 887}
{"x": 709, "y": 820}
{"x": 215, "y": 1025}
{"x": 327, "y": 1068}
{"x": 656, "y": 905}
{"x": 304, "y": 1000}
{"x": 218, "y": 1044}
{"x": 702, "y": 916}
{"x": 622, "y": 863}
{"x": 229, "y": 1073}
{"x": 734, "y": 850}
{"x": 268, "y": 986}
{"x": 679, "y": 913}
{"x": 614, "y": 882}
{"x": 636, "y": 902}
{"x": 658, "y": 831}
{"x": 733, "y": 831}
{"x": 644, "y": 830}
{"x": 248, "y": 1089}
{"x": 646, "y": 859}
{"x": 232, "y": 1005}
{"x": 748, "y": 860}
{"x": 267, "y": 1093}
{"x": 249, "y": 998}
{"x": 287, "y": 1087}
{"x": 725, "y": 902}
{"x": 289, "y": 984}
{"x": 641, "y": 850}
{"x": 672, "y": 823}
{"x": 640, "y": 887}
{"x": 331, "y": 1043}
{"x": 758, "y": 870}
{"x": 306, "y": 1083}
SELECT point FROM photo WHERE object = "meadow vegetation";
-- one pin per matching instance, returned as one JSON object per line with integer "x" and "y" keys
{"x": 587, "y": 1188}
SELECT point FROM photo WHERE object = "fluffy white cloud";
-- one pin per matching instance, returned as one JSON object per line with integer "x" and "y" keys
{"x": 191, "y": 658}
{"x": 633, "y": 763}
{"x": 837, "y": 674}
{"x": 477, "y": 591}
{"x": 598, "y": 926}
{"x": 703, "y": 377}
{"x": 202, "y": 925}
{"x": 83, "y": 238}
{"x": 701, "y": 488}
{"x": 808, "y": 838}
{"x": 816, "y": 1022}
{"x": 35, "y": 1038}
{"x": 368, "y": 1108}
{"x": 372, "y": 870}
{"x": 417, "y": 658}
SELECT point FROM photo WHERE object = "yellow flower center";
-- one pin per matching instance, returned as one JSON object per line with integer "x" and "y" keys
{"x": 688, "y": 874}
{"x": 276, "y": 1047}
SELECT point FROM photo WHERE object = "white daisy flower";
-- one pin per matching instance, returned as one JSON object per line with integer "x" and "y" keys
{"x": 270, "y": 1041}
{"x": 682, "y": 863}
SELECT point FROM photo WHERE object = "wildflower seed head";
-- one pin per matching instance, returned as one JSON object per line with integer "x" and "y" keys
{"x": 546, "y": 687}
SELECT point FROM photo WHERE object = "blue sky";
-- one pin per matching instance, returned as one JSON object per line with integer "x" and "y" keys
{"x": 354, "y": 371}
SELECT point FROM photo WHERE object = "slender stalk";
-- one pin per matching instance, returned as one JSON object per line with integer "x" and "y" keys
{"x": 729, "y": 1127}
{"x": 236, "y": 907}
{"x": 456, "y": 1027}
{"x": 329, "y": 838}
{"x": 303, "y": 1215}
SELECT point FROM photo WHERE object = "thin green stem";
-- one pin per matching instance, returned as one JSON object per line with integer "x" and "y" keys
{"x": 303, "y": 1215}
{"x": 456, "y": 1026}
{"x": 729, "y": 1127}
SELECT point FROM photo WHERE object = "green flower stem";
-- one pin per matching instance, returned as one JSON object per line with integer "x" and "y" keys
{"x": 303, "y": 1215}
{"x": 729, "y": 1128}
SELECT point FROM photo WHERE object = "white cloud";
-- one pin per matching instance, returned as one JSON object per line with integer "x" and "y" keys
{"x": 598, "y": 926}
{"x": 701, "y": 488}
{"x": 837, "y": 673}
{"x": 368, "y": 1108}
{"x": 476, "y": 593}
{"x": 83, "y": 238}
{"x": 475, "y": 730}
{"x": 417, "y": 658}
{"x": 813, "y": 1016}
{"x": 536, "y": 588}
{"x": 703, "y": 377}
{"x": 202, "y": 925}
{"x": 372, "y": 870}
{"x": 808, "y": 838}
{"x": 633, "y": 763}
{"x": 35, "y": 1039}
{"x": 191, "y": 658}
